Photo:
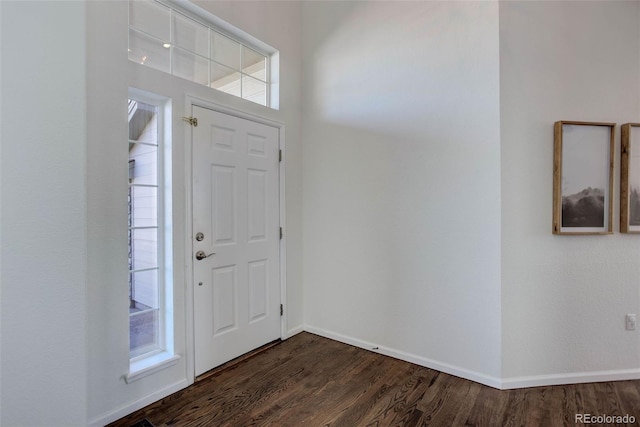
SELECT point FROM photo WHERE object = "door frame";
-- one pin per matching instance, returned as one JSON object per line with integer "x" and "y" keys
{"x": 190, "y": 102}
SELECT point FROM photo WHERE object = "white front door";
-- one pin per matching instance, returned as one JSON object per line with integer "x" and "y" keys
{"x": 236, "y": 227}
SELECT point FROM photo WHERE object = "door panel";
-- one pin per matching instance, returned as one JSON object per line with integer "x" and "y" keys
{"x": 236, "y": 207}
{"x": 223, "y": 204}
{"x": 224, "y": 303}
{"x": 257, "y": 193}
{"x": 258, "y": 295}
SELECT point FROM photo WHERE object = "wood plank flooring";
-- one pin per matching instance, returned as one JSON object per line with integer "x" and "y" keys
{"x": 313, "y": 381}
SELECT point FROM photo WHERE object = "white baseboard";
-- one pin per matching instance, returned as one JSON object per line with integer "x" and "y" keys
{"x": 138, "y": 404}
{"x": 294, "y": 331}
{"x": 499, "y": 383}
{"x": 571, "y": 378}
{"x": 407, "y": 357}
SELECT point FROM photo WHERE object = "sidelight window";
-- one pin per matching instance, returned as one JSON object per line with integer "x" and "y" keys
{"x": 149, "y": 238}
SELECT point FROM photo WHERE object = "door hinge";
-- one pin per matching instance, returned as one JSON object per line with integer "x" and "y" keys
{"x": 279, "y": 155}
{"x": 281, "y": 233}
{"x": 193, "y": 121}
{"x": 281, "y": 310}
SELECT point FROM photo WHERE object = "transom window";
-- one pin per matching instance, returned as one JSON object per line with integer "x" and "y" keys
{"x": 168, "y": 40}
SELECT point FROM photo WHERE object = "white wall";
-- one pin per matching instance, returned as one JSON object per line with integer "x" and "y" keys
{"x": 564, "y": 297}
{"x": 43, "y": 219}
{"x": 402, "y": 180}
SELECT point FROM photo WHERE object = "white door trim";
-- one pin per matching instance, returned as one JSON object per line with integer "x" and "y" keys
{"x": 191, "y": 101}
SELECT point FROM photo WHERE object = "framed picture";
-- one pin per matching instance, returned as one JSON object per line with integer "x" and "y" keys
{"x": 583, "y": 177}
{"x": 630, "y": 178}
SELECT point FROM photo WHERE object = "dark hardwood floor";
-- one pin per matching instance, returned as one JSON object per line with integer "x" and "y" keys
{"x": 313, "y": 381}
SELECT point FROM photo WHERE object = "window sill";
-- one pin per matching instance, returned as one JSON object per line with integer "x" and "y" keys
{"x": 150, "y": 365}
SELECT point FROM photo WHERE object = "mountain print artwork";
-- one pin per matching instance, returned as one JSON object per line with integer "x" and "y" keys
{"x": 583, "y": 209}
{"x": 583, "y": 166}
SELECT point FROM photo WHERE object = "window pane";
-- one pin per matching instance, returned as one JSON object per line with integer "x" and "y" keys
{"x": 150, "y": 17}
{"x": 190, "y": 35}
{"x": 143, "y": 123}
{"x": 144, "y": 206}
{"x": 144, "y": 290}
{"x": 144, "y": 168}
{"x": 254, "y": 90}
{"x": 144, "y": 248}
{"x": 225, "y": 51}
{"x": 225, "y": 79}
{"x": 143, "y": 313}
{"x": 148, "y": 51}
{"x": 254, "y": 63}
{"x": 189, "y": 66}
{"x": 143, "y": 331}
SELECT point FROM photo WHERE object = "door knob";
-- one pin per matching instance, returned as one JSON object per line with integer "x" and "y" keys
{"x": 200, "y": 255}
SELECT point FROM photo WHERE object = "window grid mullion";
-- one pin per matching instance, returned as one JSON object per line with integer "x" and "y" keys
{"x": 131, "y": 141}
{"x": 140, "y": 270}
{"x": 211, "y": 29}
{"x": 171, "y": 40}
{"x": 143, "y": 185}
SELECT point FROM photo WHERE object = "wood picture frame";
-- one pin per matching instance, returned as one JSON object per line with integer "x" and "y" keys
{"x": 583, "y": 157}
{"x": 630, "y": 178}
